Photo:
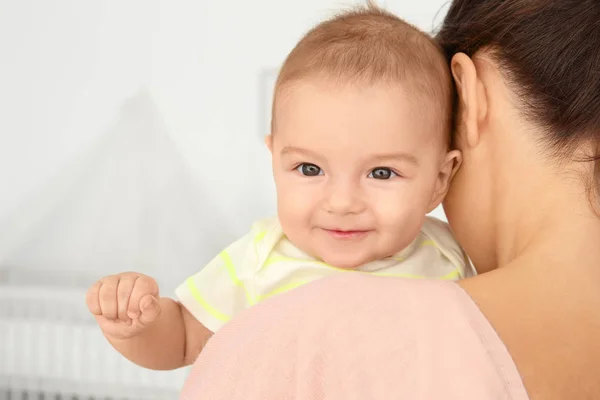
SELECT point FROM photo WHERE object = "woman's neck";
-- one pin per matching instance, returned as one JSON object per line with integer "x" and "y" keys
{"x": 548, "y": 218}
{"x": 544, "y": 300}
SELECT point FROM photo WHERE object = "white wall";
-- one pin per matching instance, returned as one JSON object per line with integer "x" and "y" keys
{"x": 67, "y": 65}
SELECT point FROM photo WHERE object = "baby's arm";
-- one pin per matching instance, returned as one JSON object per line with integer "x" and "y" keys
{"x": 160, "y": 333}
{"x": 151, "y": 331}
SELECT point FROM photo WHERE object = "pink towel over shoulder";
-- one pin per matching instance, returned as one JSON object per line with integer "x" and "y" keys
{"x": 358, "y": 337}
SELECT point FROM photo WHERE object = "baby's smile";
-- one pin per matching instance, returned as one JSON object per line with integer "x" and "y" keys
{"x": 347, "y": 234}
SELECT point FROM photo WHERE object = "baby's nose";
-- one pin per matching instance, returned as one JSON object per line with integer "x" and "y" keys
{"x": 344, "y": 199}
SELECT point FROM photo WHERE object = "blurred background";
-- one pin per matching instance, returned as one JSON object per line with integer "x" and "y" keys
{"x": 131, "y": 138}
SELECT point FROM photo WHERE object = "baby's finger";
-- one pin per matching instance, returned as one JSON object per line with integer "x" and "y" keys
{"x": 108, "y": 298}
{"x": 143, "y": 286}
{"x": 150, "y": 308}
{"x": 124, "y": 290}
{"x": 92, "y": 299}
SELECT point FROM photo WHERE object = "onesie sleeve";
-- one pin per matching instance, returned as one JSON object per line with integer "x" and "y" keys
{"x": 224, "y": 287}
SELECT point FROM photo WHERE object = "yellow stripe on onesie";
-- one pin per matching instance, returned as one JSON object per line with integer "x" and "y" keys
{"x": 265, "y": 263}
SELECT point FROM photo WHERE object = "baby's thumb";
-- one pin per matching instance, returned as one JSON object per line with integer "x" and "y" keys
{"x": 150, "y": 309}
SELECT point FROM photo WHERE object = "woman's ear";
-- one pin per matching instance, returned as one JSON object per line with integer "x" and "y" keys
{"x": 450, "y": 165}
{"x": 472, "y": 100}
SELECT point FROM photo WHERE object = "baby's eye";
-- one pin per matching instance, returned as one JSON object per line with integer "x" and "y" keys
{"x": 382, "y": 173}
{"x": 307, "y": 169}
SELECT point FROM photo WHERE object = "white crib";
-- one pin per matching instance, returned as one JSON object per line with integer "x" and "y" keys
{"x": 50, "y": 348}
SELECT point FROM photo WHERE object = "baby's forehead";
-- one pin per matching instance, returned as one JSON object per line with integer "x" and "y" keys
{"x": 379, "y": 115}
{"x": 360, "y": 147}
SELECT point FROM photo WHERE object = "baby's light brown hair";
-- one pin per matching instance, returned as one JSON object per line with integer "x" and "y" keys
{"x": 371, "y": 46}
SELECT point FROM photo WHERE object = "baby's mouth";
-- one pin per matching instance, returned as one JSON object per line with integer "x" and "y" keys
{"x": 343, "y": 234}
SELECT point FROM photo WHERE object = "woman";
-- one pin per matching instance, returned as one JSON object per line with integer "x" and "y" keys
{"x": 525, "y": 206}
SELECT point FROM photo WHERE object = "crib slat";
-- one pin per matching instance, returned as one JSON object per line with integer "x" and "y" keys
{"x": 52, "y": 350}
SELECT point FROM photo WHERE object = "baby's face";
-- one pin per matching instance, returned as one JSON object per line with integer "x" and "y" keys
{"x": 356, "y": 169}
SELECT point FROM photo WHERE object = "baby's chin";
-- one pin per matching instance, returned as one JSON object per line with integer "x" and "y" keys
{"x": 346, "y": 261}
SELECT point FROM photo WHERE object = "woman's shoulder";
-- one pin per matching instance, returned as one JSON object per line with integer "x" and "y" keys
{"x": 368, "y": 335}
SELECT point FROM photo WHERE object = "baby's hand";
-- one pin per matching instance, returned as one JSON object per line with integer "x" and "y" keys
{"x": 124, "y": 304}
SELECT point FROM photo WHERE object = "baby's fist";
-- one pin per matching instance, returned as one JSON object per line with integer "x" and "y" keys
{"x": 124, "y": 304}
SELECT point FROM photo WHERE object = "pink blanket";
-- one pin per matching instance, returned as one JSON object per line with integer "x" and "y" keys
{"x": 358, "y": 337}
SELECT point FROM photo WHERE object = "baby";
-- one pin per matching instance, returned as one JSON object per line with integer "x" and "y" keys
{"x": 360, "y": 142}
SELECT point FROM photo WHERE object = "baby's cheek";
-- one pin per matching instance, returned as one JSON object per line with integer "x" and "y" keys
{"x": 393, "y": 206}
{"x": 294, "y": 207}
{"x": 402, "y": 218}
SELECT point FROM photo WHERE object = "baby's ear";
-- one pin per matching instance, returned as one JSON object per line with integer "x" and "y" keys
{"x": 269, "y": 142}
{"x": 448, "y": 169}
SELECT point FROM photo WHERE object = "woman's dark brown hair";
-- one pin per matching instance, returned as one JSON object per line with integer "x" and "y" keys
{"x": 550, "y": 52}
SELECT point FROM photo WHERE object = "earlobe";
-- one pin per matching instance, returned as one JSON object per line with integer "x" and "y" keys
{"x": 465, "y": 75}
{"x": 450, "y": 166}
{"x": 269, "y": 142}
{"x": 455, "y": 159}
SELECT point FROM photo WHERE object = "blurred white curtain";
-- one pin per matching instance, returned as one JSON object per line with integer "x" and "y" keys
{"x": 128, "y": 203}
